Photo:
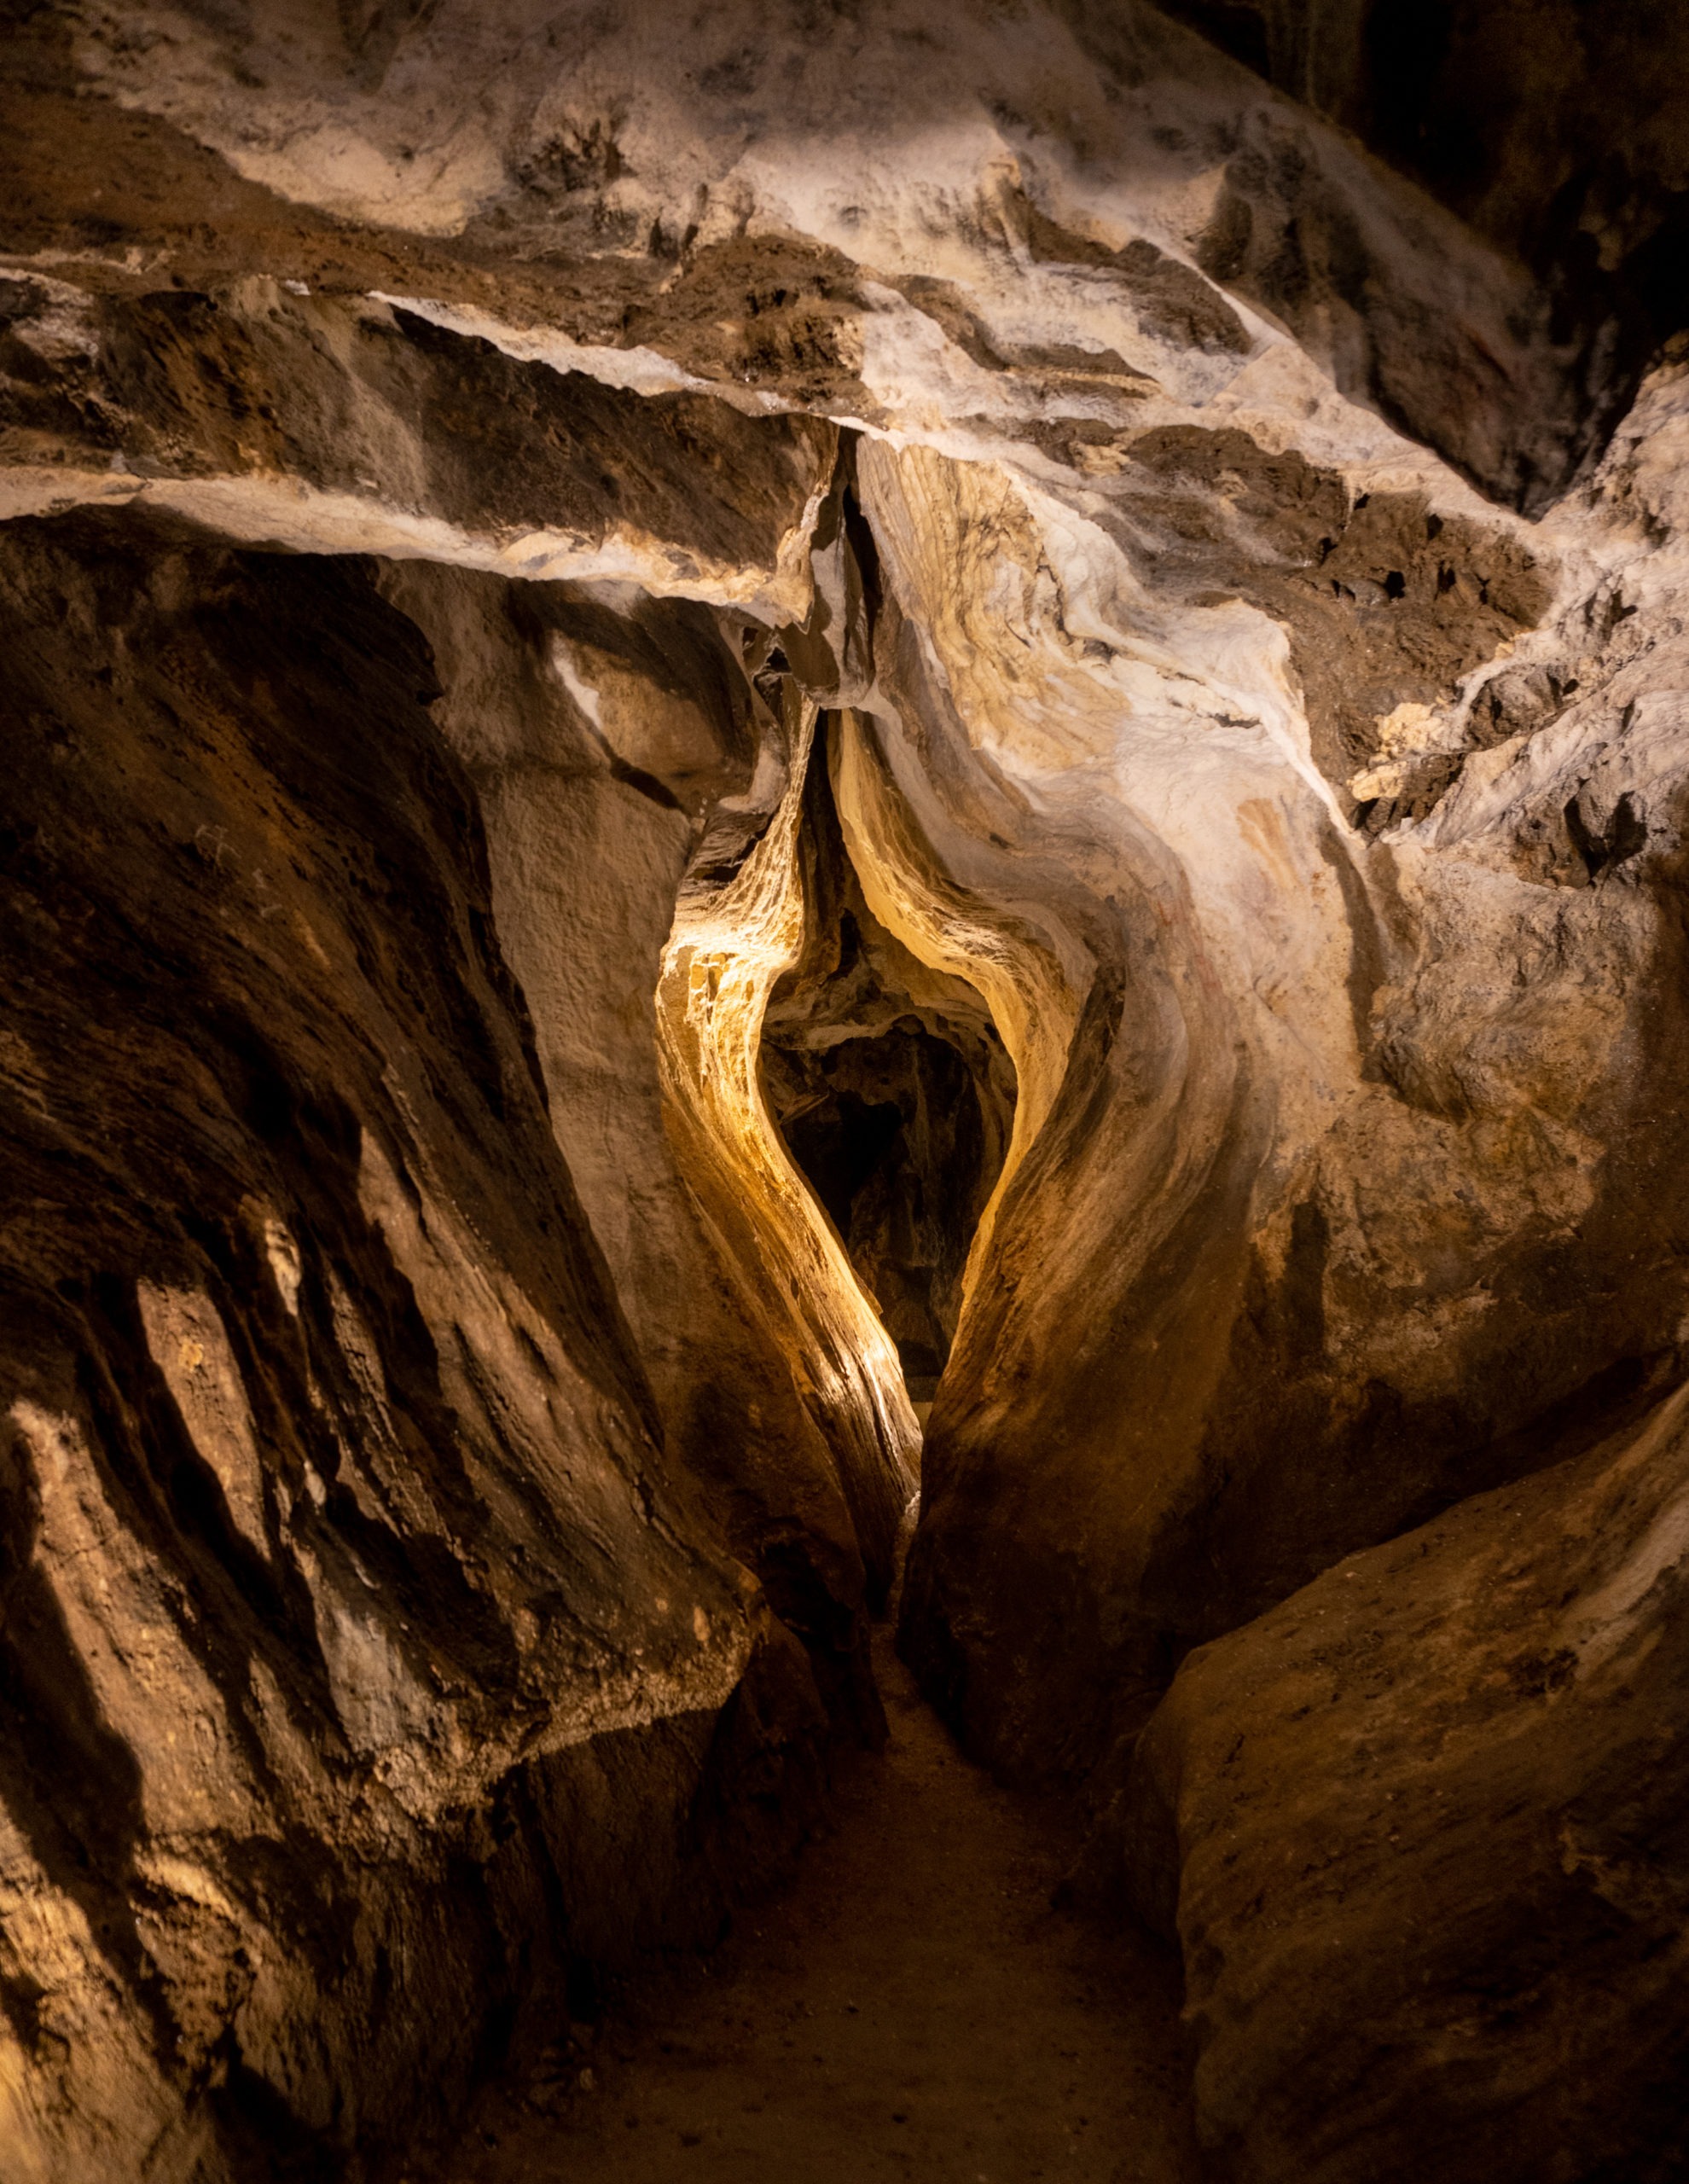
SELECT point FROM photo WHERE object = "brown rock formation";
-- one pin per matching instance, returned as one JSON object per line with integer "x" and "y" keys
{"x": 715, "y": 731}
{"x": 341, "y": 1560}
{"x": 1421, "y": 1828}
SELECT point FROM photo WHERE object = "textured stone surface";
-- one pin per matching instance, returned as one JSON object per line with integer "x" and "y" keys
{"x": 1557, "y": 133}
{"x": 874, "y": 212}
{"x": 323, "y": 424}
{"x": 1320, "y": 1167}
{"x": 1421, "y": 1832}
{"x": 335, "y": 1519}
{"x": 599, "y": 741}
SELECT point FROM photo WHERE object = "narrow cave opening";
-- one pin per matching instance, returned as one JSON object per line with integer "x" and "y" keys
{"x": 895, "y": 1096}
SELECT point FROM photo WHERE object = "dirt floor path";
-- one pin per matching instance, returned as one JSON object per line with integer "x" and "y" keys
{"x": 909, "y": 2007}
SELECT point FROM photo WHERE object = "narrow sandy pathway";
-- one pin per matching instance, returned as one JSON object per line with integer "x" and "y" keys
{"x": 910, "y": 2008}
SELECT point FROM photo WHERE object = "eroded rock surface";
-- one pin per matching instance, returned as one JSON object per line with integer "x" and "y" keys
{"x": 1360, "y": 1103}
{"x": 336, "y": 1528}
{"x": 719, "y": 729}
{"x": 896, "y": 1096}
{"x": 1421, "y": 1832}
{"x": 603, "y": 733}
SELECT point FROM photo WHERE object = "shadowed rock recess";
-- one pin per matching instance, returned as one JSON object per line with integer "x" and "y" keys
{"x": 817, "y": 814}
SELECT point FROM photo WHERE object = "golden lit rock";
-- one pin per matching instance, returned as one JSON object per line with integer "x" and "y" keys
{"x": 822, "y": 820}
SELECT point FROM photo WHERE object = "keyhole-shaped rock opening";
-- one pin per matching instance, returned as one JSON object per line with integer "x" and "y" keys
{"x": 895, "y": 1096}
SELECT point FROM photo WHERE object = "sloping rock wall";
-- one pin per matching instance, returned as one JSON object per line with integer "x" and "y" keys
{"x": 1421, "y": 1831}
{"x": 601, "y": 738}
{"x": 477, "y": 490}
{"x": 1329, "y": 1172}
{"x": 337, "y": 1533}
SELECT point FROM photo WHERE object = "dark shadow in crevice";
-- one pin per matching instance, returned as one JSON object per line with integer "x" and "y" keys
{"x": 896, "y": 1098}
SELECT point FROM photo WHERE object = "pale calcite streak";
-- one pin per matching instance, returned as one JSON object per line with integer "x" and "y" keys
{"x": 280, "y": 1249}
{"x": 726, "y": 951}
{"x": 637, "y": 370}
{"x": 265, "y": 507}
{"x": 190, "y": 1347}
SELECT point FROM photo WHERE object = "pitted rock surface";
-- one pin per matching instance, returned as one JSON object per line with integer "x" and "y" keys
{"x": 812, "y": 792}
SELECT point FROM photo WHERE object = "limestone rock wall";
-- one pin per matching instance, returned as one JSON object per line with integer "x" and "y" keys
{"x": 338, "y": 1531}
{"x": 602, "y": 731}
{"x": 1421, "y": 1831}
{"x": 1558, "y": 134}
{"x": 1406, "y": 1152}
{"x": 479, "y": 486}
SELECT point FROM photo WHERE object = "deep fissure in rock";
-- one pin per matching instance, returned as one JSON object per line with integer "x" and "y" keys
{"x": 711, "y": 727}
{"x": 894, "y": 1094}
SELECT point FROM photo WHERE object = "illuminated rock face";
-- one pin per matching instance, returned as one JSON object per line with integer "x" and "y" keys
{"x": 712, "y": 736}
{"x": 895, "y": 1095}
{"x": 624, "y": 766}
{"x": 347, "y": 1585}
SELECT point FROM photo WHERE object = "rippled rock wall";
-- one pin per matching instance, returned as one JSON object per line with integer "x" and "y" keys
{"x": 714, "y": 735}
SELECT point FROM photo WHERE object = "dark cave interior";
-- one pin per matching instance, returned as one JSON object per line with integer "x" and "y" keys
{"x": 895, "y": 1096}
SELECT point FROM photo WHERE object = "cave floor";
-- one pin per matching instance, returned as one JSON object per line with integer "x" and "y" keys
{"x": 909, "y": 2005}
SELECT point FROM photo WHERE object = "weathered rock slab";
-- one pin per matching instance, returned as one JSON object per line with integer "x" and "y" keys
{"x": 1421, "y": 1833}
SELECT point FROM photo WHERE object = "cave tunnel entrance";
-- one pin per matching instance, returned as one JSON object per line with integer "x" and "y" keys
{"x": 895, "y": 1096}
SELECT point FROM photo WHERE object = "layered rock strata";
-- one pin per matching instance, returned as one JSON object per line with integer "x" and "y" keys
{"x": 1420, "y": 1829}
{"x": 592, "y": 608}
{"x": 348, "y": 1598}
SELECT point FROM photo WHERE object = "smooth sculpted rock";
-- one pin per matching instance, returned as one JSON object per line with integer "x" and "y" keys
{"x": 1352, "y": 1193}
{"x": 714, "y": 725}
{"x": 1421, "y": 1833}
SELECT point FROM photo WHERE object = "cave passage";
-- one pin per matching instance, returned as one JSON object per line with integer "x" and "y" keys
{"x": 911, "y": 2004}
{"x": 895, "y": 1096}
{"x": 843, "y": 1017}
